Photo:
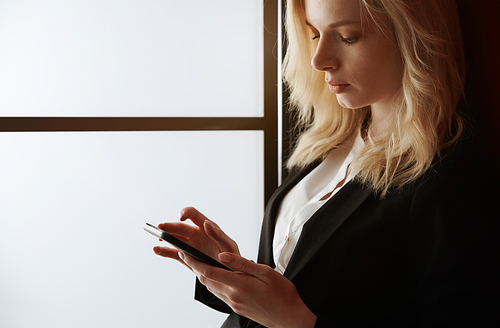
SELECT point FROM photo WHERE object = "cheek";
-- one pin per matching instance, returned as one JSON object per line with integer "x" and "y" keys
{"x": 367, "y": 63}
{"x": 382, "y": 71}
{"x": 367, "y": 74}
{"x": 392, "y": 63}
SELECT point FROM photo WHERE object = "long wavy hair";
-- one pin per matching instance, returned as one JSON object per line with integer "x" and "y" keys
{"x": 425, "y": 120}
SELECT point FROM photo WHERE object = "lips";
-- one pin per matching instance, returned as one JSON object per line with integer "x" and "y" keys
{"x": 336, "y": 87}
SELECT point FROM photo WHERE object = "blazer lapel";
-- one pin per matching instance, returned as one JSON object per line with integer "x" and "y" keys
{"x": 323, "y": 224}
{"x": 267, "y": 234}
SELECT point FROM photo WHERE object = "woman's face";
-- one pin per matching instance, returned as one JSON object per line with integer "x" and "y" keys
{"x": 362, "y": 66}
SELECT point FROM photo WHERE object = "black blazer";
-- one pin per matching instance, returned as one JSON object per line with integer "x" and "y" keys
{"x": 426, "y": 256}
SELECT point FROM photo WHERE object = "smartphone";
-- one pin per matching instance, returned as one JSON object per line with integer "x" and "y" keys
{"x": 180, "y": 245}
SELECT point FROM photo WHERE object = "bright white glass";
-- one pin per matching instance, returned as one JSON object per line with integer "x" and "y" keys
{"x": 73, "y": 252}
{"x": 131, "y": 58}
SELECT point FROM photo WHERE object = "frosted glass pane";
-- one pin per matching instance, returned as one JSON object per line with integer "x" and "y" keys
{"x": 72, "y": 206}
{"x": 131, "y": 58}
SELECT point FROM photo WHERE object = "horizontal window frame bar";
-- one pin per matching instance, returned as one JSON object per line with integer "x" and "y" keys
{"x": 82, "y": 124}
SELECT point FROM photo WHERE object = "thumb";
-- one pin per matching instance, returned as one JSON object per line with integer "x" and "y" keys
{"x": 241, "y": 264}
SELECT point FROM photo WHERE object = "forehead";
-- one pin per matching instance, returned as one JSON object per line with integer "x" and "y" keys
{"x": 321, "y": 12}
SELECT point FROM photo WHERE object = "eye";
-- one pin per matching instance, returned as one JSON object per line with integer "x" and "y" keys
{"x": 348, "y": 40}
{"x": 315, "y": 37}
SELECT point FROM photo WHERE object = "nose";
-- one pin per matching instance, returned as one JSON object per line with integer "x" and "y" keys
{"x": 325, "y": 57}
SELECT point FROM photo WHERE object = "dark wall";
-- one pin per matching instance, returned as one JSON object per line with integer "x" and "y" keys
{"x": 480, "y": 21}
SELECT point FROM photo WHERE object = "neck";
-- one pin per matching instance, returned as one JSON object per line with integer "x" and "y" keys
{"x": 379, "y": 120}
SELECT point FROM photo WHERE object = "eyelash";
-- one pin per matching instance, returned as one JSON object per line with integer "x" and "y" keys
{"x": 348, "y": 40}
{"x": 345, "y": 40}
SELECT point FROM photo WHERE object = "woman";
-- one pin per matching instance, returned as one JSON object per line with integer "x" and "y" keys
{"x": 386, "y": 216}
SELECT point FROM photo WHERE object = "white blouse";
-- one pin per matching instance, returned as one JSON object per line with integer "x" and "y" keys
{"x": 307, "y": 196}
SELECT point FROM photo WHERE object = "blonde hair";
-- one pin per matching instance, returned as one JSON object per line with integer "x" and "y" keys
{"x": 426, "y": 119}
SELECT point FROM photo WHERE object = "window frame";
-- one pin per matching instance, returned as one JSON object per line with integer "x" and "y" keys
{"x": 268, "y": 123}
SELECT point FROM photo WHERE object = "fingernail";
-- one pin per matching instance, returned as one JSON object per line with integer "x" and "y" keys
{"x": 156, "y": 249}
{"x": 224, "y": 257}
{"x": 181, "y": 255}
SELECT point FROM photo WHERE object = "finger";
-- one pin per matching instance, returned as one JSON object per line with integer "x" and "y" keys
{"x": 166, "y": 252}
{"x": 208, "y": 275}
{"x": 169, "y": 253}
{"x": 202, "y": 269}
{"x": 193, "y": 214}
{"x": 216, "y": 234}
{"x": 218, "y": 288}
{"x": 240, "y": 264}
{"x": 196, "y": 265}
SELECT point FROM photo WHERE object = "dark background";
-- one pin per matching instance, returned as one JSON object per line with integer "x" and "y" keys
{"x": 480, "y": 20}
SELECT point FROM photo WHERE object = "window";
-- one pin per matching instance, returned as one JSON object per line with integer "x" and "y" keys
{"x": 95, "y": 143}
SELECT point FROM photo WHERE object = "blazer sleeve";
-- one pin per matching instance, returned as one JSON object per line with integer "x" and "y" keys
{"x": 323, "y": 322}
{"x": 453, "y": 245}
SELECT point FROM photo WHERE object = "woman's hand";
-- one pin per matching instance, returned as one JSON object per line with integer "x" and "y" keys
{"x": 255, "y": 291}
{"x": 205, "y": 236}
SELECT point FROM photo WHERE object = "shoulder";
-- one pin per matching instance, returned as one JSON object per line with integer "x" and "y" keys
{"x": 455, "y": 202}
{"x": 462, "y": 167}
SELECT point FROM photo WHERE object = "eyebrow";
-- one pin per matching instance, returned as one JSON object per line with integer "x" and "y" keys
{"x": 337, "y": 24}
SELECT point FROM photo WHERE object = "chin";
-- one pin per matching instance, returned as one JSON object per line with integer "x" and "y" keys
{"x": 346, "y": 102}
{"x": 350, "y": 105}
